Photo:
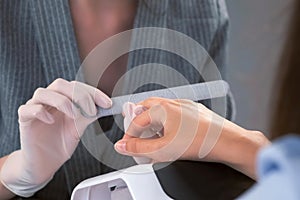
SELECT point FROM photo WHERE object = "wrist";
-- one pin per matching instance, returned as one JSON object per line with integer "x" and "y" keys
{"x": 4, "y": 192}
{"x": 238, "y": 148}
{"x": 19, "y": 177}
{"x": 244, "y": 154}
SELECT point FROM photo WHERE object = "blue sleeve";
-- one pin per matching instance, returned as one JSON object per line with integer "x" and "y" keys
{"x": 279, "y": 171}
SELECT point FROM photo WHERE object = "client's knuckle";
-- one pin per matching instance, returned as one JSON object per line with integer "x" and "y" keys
{"x": 164, "y": 104}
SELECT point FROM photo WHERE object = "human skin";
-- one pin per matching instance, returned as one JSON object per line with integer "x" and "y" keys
{"x": 184, "y": 125}
{"x": 4, "y": 192}
{"x": 95, "y": 21}
{"x": 50, "y": 130}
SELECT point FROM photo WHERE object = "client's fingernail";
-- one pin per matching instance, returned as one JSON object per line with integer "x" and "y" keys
{"x": 139, "y": 110}
{"x": 121, "y": 146}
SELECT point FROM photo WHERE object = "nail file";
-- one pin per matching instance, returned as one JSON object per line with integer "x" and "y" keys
{"x": 194, "y": 92}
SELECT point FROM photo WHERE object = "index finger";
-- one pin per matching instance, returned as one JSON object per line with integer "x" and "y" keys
{"x": 139, "y": 124}
{"x": 151, "y": 120}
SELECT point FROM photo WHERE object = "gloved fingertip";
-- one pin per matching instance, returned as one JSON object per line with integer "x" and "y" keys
{"x": 109, "y": 103}
{"x": 105, "y": 102}
{"x": 102, "y": 100}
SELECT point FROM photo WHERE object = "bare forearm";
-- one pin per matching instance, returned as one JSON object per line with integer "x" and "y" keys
{"x": 208, "y": 136}
{"x": 238, "y": 149}
{"x": 4, "y": 192}
{"x": 246, "y": 152}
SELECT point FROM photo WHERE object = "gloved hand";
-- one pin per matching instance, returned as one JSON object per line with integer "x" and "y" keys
{"x": 50, "y": 130}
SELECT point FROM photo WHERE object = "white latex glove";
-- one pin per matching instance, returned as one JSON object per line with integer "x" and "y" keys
{"x": 50, "y": 130}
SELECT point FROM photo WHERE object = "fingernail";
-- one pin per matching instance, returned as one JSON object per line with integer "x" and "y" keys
{"x": 139, "y": 110}
{"x": 121, "y": 146}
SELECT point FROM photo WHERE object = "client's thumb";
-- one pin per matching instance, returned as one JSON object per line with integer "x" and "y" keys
{"x": 136, "y": 146}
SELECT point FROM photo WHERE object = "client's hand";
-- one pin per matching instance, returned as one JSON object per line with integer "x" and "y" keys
{"x": 182, "y": 129}
{"x": 50, "y": 129}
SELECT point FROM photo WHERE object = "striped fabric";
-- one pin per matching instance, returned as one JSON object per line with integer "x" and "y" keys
{"x": 38, "y": 45}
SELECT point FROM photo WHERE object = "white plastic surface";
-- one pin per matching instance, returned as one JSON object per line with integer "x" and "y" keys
{"x": 134, "y": 183}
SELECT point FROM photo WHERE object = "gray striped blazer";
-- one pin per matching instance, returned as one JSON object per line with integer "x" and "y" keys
{"x": 38, "y": 45}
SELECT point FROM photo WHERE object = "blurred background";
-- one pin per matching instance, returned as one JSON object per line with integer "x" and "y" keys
{"x": 258, "y": 29}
